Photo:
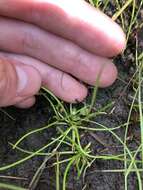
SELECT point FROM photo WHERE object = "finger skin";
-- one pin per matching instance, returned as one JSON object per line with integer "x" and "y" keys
{"x": 27, "y": 39}
{"x": 12, "y": 88}
{"x": 61, "y": 84}
{"x": 27, "y": 103}
{"x": 74, "y": 20}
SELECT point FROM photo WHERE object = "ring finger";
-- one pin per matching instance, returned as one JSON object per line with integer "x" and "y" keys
{"x": 61, "y": 84}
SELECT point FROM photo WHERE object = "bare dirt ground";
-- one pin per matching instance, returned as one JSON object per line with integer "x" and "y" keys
{"x": 25, "y": 120}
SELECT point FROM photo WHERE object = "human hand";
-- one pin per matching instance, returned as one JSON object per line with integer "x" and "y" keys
{"x": 54, "y": 43}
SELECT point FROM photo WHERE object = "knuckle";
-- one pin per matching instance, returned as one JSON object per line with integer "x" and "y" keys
{"x": 29, "y": 41}
{"x": 70, "y": 56}
{"x": 62, "y": 75}
{"x": 35, "y": 12}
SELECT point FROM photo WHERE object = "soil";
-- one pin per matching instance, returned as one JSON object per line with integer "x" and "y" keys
{"x": 23, "y": 121}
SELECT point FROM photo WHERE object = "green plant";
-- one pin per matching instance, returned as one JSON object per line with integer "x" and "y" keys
{"x": 72, "y": 121}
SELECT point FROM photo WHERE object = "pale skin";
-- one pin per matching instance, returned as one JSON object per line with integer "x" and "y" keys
{"x": 60, "y": 44}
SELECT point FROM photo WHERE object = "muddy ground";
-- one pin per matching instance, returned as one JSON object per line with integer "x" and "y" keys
{"x": 38, "y": 116}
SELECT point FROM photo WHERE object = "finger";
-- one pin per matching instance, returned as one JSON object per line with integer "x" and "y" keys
{"x": 61, "y": 84}
{"x": 74, "y": 20}
{"x": 56, "y": 51}
{"x": 16, "y": 82}
{"x": 26, "y": 103}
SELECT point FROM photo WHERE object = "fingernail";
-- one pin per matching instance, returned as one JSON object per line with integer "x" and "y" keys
{"x": 22, "y": 78}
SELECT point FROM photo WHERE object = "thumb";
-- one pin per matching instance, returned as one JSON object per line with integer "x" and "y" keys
{"x": 17, "y": 82}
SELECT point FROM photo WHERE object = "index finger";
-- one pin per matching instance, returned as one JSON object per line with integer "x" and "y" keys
{"x": 74, "y": 20}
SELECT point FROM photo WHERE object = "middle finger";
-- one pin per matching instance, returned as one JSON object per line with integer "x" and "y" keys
{"x": 23, "y": 38}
